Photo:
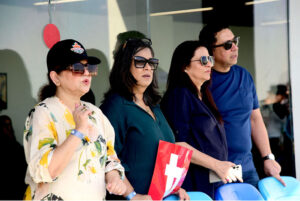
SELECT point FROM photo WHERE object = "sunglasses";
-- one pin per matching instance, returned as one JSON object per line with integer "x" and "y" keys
{"x": 146, "y": 41}
{"x": 205, "y": 59}
{"x": 140, "y": 62}
{"x": 79, "y": 68}
{"x": 228, "y": 44}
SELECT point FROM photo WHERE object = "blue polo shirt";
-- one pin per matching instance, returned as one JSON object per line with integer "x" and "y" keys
{"x": 235, "y": 96}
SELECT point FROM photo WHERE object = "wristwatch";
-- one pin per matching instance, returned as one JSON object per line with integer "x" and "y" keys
{"x": 269, "y": 156}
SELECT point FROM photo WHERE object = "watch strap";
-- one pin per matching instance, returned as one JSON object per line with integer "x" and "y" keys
{"x": 269, "y": 157}
{"x": 77, "y": 134}
{"x": 130, "y": 195}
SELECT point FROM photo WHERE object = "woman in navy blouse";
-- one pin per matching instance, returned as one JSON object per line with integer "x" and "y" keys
{"x": 131, "y": 105}
{"x": 192, "y": 114}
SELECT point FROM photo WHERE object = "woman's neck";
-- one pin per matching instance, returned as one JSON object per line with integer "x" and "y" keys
{"x": 138, "y": 94}
{"x": 69, "y": 100}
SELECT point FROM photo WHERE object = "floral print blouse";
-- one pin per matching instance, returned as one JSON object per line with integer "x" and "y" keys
{"x": 47, "y": 126}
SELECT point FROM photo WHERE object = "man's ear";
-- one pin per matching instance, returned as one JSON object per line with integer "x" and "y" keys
{"x": 54, "y": 77}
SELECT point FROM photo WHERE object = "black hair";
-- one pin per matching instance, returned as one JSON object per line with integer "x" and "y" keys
{"x": 207, "y": 35}
{"x": 179, "y": 78}
{"x": 122, "y": 81}
{"x": 122, "y": 37}
{"x": 89, "y": 97}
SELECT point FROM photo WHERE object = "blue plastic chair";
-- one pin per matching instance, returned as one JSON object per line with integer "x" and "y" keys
{"x": 272, "y": 189}
{"x": 237, "y": 191}
{"x": 193, "y": 196}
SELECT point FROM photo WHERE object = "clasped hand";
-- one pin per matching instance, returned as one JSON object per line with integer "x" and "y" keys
{"x": 114, "y": 184}
{"x": 224, "y": 169}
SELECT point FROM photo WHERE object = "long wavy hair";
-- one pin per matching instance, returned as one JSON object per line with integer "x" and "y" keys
{"x": 179, "y": 78}
{"x": 122, "y": 81}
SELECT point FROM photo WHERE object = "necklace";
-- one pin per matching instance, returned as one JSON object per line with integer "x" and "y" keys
{"x": 145, "y": 107}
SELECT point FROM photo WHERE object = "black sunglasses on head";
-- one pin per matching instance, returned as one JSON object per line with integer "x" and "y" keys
{"x": 205, "y": 59}
{"x": 140, "y": 62}
{"x": 79, "y": 68}
{"x": 228, "y": 44}
{"x": 146, "y": 41}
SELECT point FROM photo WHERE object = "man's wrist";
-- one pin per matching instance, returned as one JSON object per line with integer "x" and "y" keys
{"x": 130, "y": 195}
{"x": 269, "y": 157}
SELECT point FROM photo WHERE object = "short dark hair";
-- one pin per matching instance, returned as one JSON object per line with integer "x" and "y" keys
{"x": 122, "y": 37}
{"x": 122, "y": 81}
{"x": 178, "y": 77}
{"x": 207, "y": 35}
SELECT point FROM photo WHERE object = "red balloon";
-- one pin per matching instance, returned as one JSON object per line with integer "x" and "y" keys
{"x": 51, "y": 35}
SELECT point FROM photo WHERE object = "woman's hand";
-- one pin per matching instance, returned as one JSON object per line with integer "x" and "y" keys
{"x": 141, "y": 197}
{"x": 225, "y": 172}
{"x": 182, "y": 194}
{"x": 80, "y": 116}
{"x": 114, "y": 184}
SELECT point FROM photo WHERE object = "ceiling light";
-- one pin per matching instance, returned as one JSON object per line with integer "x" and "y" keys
{"x": 55, "y": 2}
{"x": 273, "y": 22}
{"x": 181, "y": 11}
{"x": 258, "y": 2}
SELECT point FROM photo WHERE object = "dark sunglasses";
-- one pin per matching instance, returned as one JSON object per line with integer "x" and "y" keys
{"x": 228, "y": 44}
{"x": 140, "y": 62}
{"x": 79, "y": 68}
{"x": 146, "y": 41}
{"x": 205, "y": 59}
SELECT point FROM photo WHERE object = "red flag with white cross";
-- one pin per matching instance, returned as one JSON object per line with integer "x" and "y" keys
{"x": 171, "y": 166}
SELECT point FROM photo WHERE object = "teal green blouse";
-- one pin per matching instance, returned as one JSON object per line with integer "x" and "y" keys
{"x": 137, "y": 138}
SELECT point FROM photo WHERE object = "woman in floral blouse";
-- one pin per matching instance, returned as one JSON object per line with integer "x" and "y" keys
{"x": 69, "y": 143}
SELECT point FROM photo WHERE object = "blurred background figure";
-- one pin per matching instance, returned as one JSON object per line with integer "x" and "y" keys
{"x": 122, "y": 37}
{"x": 13, "y": 164}
{"x": 276, "y": 115}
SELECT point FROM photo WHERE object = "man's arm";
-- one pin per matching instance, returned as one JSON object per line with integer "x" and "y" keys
{"x": 261, "y": 140}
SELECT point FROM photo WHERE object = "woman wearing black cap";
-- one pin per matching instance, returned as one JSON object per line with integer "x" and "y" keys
{"x": 69, "y": 143}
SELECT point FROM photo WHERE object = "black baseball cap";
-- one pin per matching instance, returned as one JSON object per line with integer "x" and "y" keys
{"x": 67, "y": 52}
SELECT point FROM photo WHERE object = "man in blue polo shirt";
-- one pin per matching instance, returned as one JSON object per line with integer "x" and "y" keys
{"x": 235, "y": 96}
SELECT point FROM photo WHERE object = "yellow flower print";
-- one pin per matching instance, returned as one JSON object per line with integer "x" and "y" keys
{"x": 69, "y": 118}
{"x": 44, "y": 159}
{"x": 68, "y": 132}
{"x": 87, "y": 138}
{"x": 93, "y": 170}
{"x": 27, "y": 195}
{"x": 52, "y": 129}
{"x": 110, "y": 148}
{"x": 93, "y": 153}
{"x": 45, "y": 141}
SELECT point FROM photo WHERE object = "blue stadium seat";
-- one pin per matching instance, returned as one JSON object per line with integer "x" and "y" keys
{"x": 193, "y": 195}
{"x": 237, "y": 191}
{"x": 272, "y": 189}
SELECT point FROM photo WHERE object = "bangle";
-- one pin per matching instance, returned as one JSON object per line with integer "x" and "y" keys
{"x": 130, "y": 195}
{"x": 77, "y": 134}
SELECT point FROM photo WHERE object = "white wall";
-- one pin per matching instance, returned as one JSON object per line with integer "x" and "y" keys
{"x": 294, "y": 42}
{"x": 23, "y": 52}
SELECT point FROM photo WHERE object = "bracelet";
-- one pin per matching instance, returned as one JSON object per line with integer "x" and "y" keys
{"x": 77, "y": 134}
{"x": 131, "y": 195}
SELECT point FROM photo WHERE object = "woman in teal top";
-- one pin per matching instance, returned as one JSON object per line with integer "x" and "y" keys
{"x": 131, "y": 105}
